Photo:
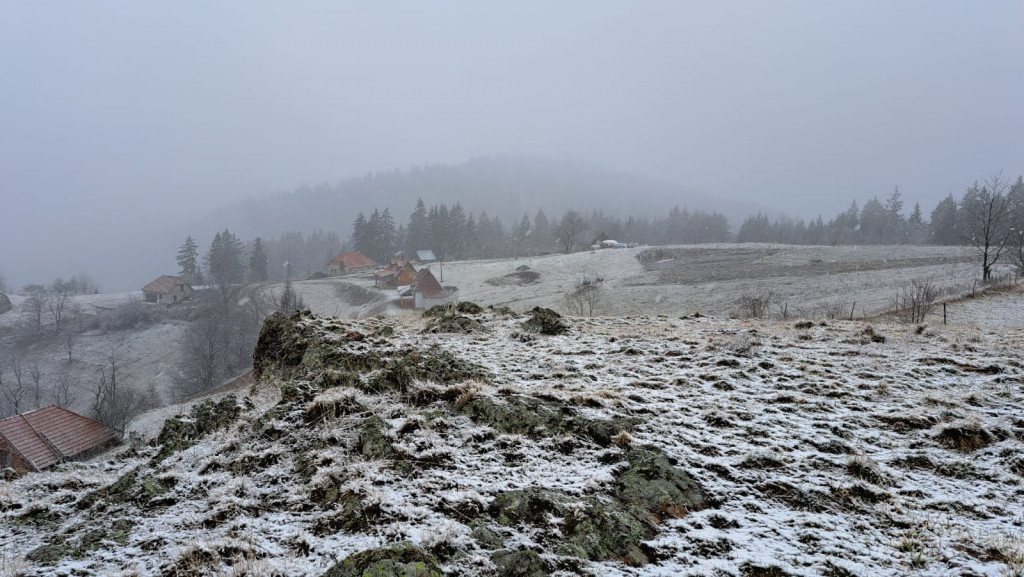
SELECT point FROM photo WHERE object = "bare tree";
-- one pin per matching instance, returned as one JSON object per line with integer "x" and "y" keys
{"x": 75, "y": 316}
{"x": 202, "y": 357}
{"x": 988, "y": 214}
{"x": 36, "y": 375}
{"x": 584, "y": 298}
{"x": 82, "y": 284}
{"x": 14, "y": 392}
{"x": 3, "y": 366}
{"x": 57, "y": 295}
{"x": 1016, "y": 195}
{"x": 67, "y": 340}
{"x": 115, "y": 404}
{"x": 35, "y": 304}
{"x": 62, "y": 387}
{"x": 569, "y": 230}
{"x": 757, "y": 305}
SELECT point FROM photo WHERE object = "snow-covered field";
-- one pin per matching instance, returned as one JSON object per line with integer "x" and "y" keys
{"x": 861, "y": 447}
{"x": 839, "y": 448}
{"x": 805, "y": 281}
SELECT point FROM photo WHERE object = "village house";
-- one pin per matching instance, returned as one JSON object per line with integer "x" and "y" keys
{"x": 42, "y": 438}
{"x": 350, "y": 262}
{"x": 424, "y": 292}
{"x": 167, "y": 289}
{"x": 398, "y": 273}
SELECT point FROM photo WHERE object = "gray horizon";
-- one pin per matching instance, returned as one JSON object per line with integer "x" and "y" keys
{"x": 122, "y": 123}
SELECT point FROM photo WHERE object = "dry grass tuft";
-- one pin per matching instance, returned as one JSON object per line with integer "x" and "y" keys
{"x": 864, "y": 467}
{"x": 966, "y": 435}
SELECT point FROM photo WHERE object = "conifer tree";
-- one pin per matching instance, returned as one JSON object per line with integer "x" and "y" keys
{"x": 224, "y": 261}
{"x": 188, "y": 261}
{"x": 258, "y": 262}
{"x": 418, "y": 231}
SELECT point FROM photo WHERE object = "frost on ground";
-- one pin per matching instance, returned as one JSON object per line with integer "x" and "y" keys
{"x": 804, "y": 281}
{"x": 627, "y": 446}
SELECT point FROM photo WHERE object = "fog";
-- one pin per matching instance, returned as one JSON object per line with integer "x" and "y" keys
{"x": 121, "y": 122}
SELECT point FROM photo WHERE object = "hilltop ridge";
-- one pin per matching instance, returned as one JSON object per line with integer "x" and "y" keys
{"x": 635, "y": 445}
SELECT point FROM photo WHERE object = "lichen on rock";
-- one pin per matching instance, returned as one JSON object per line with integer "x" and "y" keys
{"x": 402, "y": 560}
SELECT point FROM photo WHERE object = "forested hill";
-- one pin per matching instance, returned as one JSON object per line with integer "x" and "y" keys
{"x": 506, "y": 187}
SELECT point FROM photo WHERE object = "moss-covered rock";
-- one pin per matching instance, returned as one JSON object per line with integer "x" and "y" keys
{"x": 281, "y": 345}
{"x": 545, "y": 321}
{"x": 525, "y": 563}
{"x": 49, "y": 554}
{"x": 76, "y": 543}
{"x": 373, "y": 443}
{"x": 402, "y": 560}
{"x": 454, "y": 324}
{"x": 486, "y": 538}
{"x": 469, "y": 308}
{"x": 591, "y": 528}
{"x": 536, "y": 417}
{"x": 208, "y": 416}
{"x": 347, "y": 511}
{"x": 435, "y": 365}
{"x": 651, "y": 481}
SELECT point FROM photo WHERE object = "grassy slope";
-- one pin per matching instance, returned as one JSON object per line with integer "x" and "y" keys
{"x": 823, "y": 450}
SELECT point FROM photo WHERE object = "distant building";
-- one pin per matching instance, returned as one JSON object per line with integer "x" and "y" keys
{"x": 425, "y": 256}
{"x": 350, "y": 262}
{"x": 398, "y": 273}
{"x": 426, "y": 291}
{"x": 42, "y": 438}
{"x": 167, "y": 289}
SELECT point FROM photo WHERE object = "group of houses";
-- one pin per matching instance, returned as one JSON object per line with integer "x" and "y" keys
{"x": 416, "y": 288}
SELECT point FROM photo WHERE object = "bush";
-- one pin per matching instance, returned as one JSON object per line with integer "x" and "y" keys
{"x": 915, "y": 300}
{"x": 132, "y": 316}
{"x": 756, "y": 306}
{"x": 584, "y": 298}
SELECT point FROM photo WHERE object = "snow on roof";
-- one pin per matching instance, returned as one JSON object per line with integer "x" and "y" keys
{"x": 48, "y": 435}
{"x": 164, "y": 285}
{"x": 425, "y": 255}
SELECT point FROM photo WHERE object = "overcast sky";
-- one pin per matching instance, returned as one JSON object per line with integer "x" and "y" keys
{"x": 117, "y": 118}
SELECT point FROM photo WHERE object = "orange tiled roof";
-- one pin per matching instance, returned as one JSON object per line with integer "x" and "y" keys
{"x": 353, "y": 259}
{"x": 51, "y": 434}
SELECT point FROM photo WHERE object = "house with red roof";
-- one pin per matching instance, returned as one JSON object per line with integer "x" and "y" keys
{"x": 425, "y": 290}
{"x": 350, "y": 262}
{"x": 42, "y": 438}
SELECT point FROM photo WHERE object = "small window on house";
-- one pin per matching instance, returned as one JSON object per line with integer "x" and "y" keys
{"x": 5, "y": 459}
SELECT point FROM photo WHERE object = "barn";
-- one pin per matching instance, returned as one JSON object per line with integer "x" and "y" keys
{"x": 426, "y": 291}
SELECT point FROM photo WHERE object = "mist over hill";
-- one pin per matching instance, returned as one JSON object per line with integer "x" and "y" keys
{"x": 504, "y": 186}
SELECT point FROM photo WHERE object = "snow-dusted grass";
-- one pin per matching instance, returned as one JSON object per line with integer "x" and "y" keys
{"x": 147, "y": 354}
{"x": 805, "y": 281}
{"x": 822, "y": 448}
